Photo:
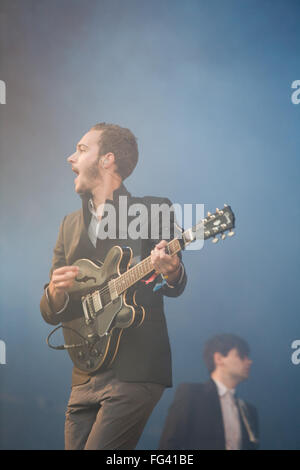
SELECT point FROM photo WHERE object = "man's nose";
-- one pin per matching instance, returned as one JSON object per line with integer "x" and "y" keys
{"x": 72, "y": 158}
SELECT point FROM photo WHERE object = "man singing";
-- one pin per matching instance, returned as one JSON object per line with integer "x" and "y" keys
{"x": 108, "y": 409}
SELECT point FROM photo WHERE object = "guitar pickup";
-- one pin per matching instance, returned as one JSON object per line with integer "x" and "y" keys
{"x": 96, "y": 301}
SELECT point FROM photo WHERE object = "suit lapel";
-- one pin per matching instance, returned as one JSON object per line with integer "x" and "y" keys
{"x": 76, "y": 237}
{"x": 216, "y": 411}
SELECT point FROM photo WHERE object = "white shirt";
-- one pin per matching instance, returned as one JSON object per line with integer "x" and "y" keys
{"x": 231, "y": 418}
{"x": 94, "y": 225}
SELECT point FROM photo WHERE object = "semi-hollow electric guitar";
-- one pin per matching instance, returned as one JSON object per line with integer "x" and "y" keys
{"x": 107, "y": 295}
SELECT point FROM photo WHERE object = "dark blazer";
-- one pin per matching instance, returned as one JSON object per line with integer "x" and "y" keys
{"x": 144, "y": 353}
{"x": 195, "y": 420}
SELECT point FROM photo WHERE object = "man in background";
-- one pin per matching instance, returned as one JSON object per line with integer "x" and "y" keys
{"x": 209, "y": 415}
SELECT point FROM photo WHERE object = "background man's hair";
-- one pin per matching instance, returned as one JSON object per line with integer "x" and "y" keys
{"x": 122, "y": 143}
{"x": 223, "y": 344}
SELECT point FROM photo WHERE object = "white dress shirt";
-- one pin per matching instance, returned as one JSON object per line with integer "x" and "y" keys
{"x": 231, "y": 418}
{"x": 94, "y": 226}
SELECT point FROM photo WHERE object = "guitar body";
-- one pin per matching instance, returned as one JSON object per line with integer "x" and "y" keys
{"x": 93, "y": 339}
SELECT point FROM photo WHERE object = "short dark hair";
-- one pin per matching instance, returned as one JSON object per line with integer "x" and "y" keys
{"x": 122, "y": 143}
{"x": 223, "y": 344}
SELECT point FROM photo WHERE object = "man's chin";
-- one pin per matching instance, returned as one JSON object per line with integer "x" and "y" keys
{"x": 80, "y": 190}
{"x": 83, "y": 193}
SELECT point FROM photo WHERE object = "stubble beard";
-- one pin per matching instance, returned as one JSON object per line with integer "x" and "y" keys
{"x": 91, "y": 174}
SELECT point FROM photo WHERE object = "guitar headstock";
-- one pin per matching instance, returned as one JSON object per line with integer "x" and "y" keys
{"x": 219, "y": 222}
{"x": 212, "y": 225}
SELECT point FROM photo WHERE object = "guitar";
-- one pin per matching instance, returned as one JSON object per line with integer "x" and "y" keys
{"x": 108, "y": 296}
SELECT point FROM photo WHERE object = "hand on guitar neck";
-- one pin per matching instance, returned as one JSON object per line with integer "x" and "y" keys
{"x": 62, "y": 279}
{"x": 168, "y": 266}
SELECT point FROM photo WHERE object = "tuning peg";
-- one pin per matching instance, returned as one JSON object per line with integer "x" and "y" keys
{"x": 215, "y": 240}
{"x": 217, "y": 210}
{"x": 223, "y": 236}
{"x": 231, "y": 233}
{"x": 225, "y": 205}
{"x": 208, "y": 214}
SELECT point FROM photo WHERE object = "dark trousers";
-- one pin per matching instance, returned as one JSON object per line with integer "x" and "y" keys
{"x": 106, "y": 414}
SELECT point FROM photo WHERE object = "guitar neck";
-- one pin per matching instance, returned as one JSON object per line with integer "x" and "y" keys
{"x": 140, "y": 270}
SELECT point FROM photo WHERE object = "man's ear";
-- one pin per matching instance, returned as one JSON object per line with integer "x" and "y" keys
{"x": 110, "y": 158}
{"x": 218, "y": 359}
{"x": 107, "y": 160}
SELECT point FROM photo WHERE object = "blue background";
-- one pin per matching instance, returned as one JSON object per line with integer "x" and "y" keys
{"x": 206, "y": 88}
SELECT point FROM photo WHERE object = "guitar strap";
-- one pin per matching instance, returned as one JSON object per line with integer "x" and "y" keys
{"x": 153, "y": 278}
{"x": 244, "y": 414}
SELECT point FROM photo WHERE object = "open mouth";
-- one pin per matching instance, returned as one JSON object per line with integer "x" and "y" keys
{"x": 76, "y": 173}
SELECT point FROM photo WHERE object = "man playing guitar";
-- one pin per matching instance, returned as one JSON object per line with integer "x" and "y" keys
{"x": 108, "y": 408}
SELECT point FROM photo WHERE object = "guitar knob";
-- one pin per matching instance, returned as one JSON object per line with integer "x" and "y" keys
{"x": 223, "y": 236}
{"x": 95, "y": 352}
{"x": 215, "y": 240}
{"x": 231, "y": 233}
{"x": 93, "y": 337}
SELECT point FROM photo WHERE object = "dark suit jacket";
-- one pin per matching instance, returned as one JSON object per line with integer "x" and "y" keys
{"x": 195, "y": 420}
{"x": 144, "y": 353}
